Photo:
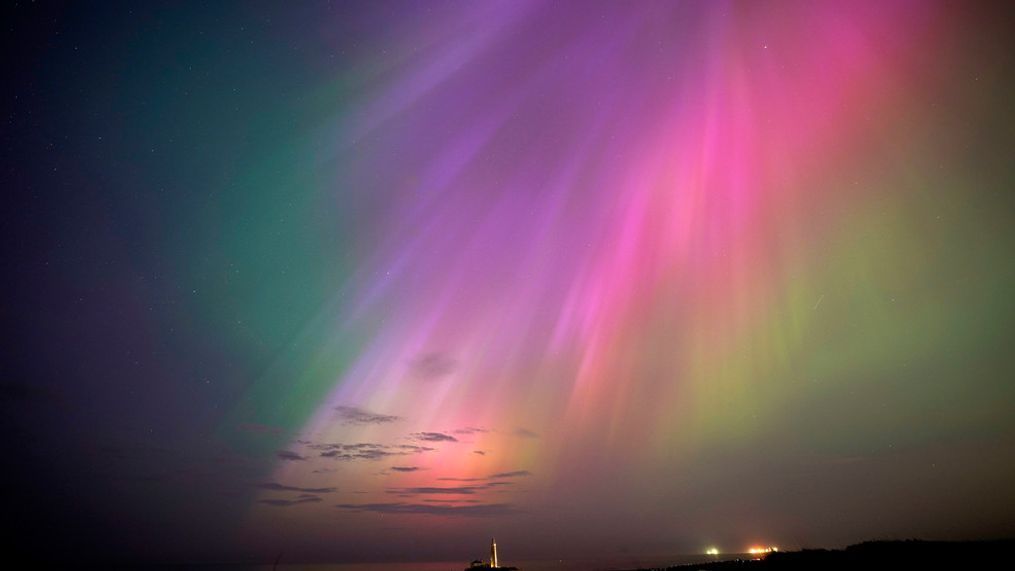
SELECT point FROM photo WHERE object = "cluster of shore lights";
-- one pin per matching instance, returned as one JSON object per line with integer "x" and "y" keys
{"x": 752, "y": 550}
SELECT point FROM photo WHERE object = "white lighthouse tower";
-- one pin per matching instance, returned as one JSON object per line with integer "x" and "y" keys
{"x": 493, "y": 553}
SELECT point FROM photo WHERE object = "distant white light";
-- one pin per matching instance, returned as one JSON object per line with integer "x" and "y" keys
{"x": 712, "y": 551}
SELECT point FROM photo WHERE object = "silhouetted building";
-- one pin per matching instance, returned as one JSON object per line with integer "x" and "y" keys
{"x": 494, "y": 560}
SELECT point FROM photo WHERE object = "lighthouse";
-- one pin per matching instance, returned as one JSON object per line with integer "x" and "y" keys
{"x": 494, "y": 563}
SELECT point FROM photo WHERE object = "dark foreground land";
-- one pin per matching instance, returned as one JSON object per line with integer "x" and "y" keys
{"x": 912, "y": 554}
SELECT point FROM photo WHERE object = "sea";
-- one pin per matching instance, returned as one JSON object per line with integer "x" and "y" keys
{"x": 599, "y": 564}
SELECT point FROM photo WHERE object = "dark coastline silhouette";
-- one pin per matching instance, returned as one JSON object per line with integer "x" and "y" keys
{"x": 908, "y": 554}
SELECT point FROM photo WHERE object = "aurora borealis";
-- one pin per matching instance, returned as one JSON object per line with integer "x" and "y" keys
{"x": 376, "y": 281}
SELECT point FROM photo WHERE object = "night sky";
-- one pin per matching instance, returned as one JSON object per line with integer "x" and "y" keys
{"x": 378, "y": 281}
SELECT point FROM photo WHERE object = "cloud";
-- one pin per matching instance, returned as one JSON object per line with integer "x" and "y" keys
{"x": 366, "y": 454}
{"x": 340, "y": 446}
{"x": 414, "y": 448}
{"x": 525, "y": 433}
{"x": 286, "y": 503}
{"x": 480, "y": 452}
{"x": 434, "y": 437}
{"x": 283, "y": 488}
{"x": 405, "y": 468}
{"x": 428, "y": 490}
{"x": 435, "y": 365}
{"x": 515, "y": 474}
{"x": 354, "y": 415}
{"x": 498, "y": 476}
{"x": 289, "y": 456}
{"x": 471, "y": 430}
{"x": 366, "y": 450}
{"x": 470, "y": 489}
{"x": 472, "y": 510}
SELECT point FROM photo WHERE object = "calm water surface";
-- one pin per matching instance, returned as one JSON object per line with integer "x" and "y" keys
{"x": 629, "y": 562}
